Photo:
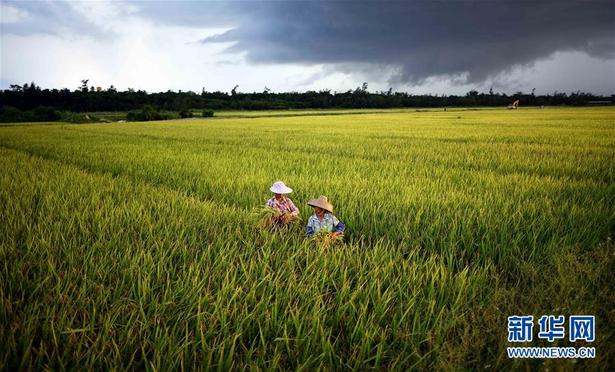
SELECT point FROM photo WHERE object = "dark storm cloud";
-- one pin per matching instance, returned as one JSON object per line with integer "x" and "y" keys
{"x": 51, "y": 18}
{"x": 467, "y": 41}
{"x": 196, "y": 13}
{"x": 422, "y": 38}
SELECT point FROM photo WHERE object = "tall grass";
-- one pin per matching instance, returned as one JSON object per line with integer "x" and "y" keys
{"x": 133, "y": 246}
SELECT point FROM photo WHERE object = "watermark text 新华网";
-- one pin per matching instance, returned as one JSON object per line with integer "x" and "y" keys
{"x": 551, "y": 328}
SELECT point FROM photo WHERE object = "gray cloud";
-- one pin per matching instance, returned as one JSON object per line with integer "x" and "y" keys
{"x": 464, "y": 43}
{"x": 51, "y": 18}
{"x": 476, "y": 39}
{"x": 199, "y": 13}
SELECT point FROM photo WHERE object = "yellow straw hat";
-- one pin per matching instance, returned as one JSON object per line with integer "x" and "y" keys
{"x": 321, "y": 202}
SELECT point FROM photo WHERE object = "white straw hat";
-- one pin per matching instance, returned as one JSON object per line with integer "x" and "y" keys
{"x": 280, "y": 188}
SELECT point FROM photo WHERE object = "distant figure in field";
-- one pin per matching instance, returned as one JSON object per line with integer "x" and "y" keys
{"x": 284, "y": 208}
{"x": 323, "y": 220}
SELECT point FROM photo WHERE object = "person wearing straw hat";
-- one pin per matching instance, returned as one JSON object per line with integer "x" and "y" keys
{"x": 282, "y": 204}
{"x": 323, "y": 219}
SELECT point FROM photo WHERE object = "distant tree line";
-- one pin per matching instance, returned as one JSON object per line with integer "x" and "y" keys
{"x": 90, "y": 99}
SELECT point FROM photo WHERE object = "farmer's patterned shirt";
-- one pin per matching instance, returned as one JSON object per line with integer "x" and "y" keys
{"x": 283, "y": 206}
{"x": 329, "y": 223}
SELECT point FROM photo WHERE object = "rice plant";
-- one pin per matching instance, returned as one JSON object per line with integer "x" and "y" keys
{"x": 145, "y": 246}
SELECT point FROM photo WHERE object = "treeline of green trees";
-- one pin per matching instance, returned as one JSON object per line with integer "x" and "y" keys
{"x": 86, "y": 98}
{"x": 148, "y": 113}
{"x": 9, "y": 114}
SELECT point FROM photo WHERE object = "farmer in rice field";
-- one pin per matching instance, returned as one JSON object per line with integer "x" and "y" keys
{"x": 323, "y": 220}
{"x": 287, "y": 211}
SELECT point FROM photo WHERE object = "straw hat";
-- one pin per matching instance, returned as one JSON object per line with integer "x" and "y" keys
{"x": 321, "y": 202}
{"x": 280, "y": 188}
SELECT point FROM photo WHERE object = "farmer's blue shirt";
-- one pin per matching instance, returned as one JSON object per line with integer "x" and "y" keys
{"x": 329, "y": 223}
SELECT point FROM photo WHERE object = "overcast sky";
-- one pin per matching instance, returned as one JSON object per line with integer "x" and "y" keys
{"x": 438, "y": 47}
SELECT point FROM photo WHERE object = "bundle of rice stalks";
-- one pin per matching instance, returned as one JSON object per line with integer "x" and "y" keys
{"x": 265, "y": 217}
{"x": 270, "y": 219}
{"x": 326, "y": 239}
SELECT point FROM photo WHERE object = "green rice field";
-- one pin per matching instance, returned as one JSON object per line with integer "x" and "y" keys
{"x": 134, "y": 245}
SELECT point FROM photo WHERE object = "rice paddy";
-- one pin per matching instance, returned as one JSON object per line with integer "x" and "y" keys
{"x": 134, "y": 245}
